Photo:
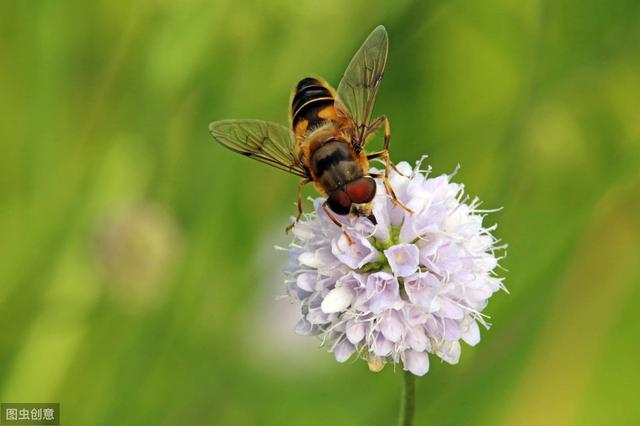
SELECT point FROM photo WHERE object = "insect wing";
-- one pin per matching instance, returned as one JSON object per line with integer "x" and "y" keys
{"x": 359, "y": 85}
{"x": 264, "y": 141}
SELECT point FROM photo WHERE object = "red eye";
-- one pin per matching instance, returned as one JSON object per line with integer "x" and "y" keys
{"x": 339, "y": 202}
{"x": 361, "y": 190}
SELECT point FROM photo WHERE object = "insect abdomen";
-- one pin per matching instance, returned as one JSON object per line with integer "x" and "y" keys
{"x": 313, "y": 103}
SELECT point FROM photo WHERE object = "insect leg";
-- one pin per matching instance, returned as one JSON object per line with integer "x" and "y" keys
{"x": 375, "y": 125}
{"x": 384, "y": 154}
{"x": 325, "y": 207}
{"x": 302, "y": 183}
{"x": 390, "y": 191}
{"x": 387, "y": 133}
{"x": 387, "y": 139}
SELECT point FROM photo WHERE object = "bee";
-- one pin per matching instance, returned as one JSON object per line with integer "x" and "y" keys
{"x": 328, "y": 133}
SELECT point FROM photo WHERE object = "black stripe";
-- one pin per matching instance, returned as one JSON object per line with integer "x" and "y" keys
{"x": 310, "y": 110}
{"x": 332, "y": 159}
{"x": 307, "y": 94}
{"x": 306, "y": 82}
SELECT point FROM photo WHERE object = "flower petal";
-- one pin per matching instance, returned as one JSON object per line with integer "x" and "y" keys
{"x": 383, "y": 292}
{"x": 343, "y": 351}
{"x": 450, "y": 309}
{"x": 337, "y": 300}
{"x": 355, "y": 331}
{"x": 416, "y": 338}
{"x": 391, "y": 326}
{"x": 472, "y": 334}
{"x": 316, "y": 316}
{"x": 422, "y": 289}
{"x": 403, "y": 259}
{"x": 449, "y": 351}
{"x": 305, "y": 328}
{"x": 356, "y": 253}
{"x": 306, "y": 281}
{"x": 382, "y": 346}
{"x": 416, "y": 362}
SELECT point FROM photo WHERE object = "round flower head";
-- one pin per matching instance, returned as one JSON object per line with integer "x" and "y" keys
{"x": 411, "y": 285}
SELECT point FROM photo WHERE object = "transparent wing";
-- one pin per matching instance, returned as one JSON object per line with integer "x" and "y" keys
{"x": 359, "y": 86}
{"x": 264, "y": 141}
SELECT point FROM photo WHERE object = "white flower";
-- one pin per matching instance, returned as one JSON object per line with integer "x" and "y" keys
{"x": 337, "y": 300}
{"x": 412, "y": 285}
{"x": 403, "y": 259}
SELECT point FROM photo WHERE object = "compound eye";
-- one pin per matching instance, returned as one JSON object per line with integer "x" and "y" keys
{"x": 361, "y": 190}
{"x": 339, "y": 202}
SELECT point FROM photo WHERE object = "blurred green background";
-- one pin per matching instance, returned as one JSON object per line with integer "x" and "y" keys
{"x": 137, "y": 275}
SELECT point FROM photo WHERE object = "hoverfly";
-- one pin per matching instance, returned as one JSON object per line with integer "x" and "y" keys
{"x": 329, "y": 130}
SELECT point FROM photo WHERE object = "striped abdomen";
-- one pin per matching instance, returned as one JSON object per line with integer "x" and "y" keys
{"x": 311, "y": 105}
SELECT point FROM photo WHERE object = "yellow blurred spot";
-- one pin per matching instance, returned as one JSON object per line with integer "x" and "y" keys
{"x": 376, "y": 364}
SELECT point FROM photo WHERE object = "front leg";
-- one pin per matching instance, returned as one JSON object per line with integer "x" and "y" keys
{"x": 390, "y": 191}
{"x": 302, "y": 183}
{"x": 326, "y": 209}
{"x": 382, "y": 120}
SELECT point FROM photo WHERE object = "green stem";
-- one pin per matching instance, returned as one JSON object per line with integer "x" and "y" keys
{"x": 408, "y": 401}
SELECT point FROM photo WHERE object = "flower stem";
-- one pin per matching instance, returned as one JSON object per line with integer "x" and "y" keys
{"x": 407, "y": 403}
